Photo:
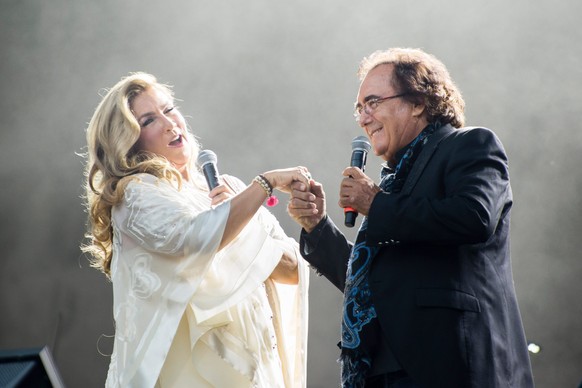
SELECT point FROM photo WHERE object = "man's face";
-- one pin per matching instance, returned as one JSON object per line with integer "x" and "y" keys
{"x": 394, "y": 122}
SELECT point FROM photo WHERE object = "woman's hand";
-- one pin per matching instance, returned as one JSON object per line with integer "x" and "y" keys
{"x": 283, "y": 178}
{"x": 220, "y": 193}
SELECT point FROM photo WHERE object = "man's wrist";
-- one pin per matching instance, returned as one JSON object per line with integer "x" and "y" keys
{"x": 311, "y": 228}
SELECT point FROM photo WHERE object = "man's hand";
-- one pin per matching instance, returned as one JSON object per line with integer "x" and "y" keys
{"x": 307, "y": 204}
{"x": 357, "y": 191}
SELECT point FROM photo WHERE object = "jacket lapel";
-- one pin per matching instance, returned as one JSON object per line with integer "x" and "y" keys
{"x": 425, "y": 155}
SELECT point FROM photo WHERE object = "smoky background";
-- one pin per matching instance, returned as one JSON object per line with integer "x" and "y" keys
{"x": 269, "y": 84}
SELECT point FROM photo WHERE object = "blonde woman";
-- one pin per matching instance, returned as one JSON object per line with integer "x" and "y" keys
{"x": 194, "y": 272}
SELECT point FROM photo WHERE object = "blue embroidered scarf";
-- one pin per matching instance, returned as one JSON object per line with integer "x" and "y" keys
{"x": 358, "y": 311}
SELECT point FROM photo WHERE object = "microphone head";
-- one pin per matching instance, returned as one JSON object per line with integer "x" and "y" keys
{"x": 205, "y": 157}
{"x": 361, "y": 143}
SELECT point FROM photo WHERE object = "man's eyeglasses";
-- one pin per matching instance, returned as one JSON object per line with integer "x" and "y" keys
{"x": 370, "y": 106}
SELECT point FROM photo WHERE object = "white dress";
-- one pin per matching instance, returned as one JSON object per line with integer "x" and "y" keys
{"x": 189, "y": 316}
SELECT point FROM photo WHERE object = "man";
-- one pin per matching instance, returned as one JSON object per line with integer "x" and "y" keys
{"x": 428, "y": 289}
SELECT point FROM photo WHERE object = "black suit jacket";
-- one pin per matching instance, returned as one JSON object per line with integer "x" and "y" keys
{"x": 444, "y": 291}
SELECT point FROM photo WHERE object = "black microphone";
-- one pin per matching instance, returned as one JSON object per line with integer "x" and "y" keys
{"x": 206, "y": 162}
{"x": 360, "y": 148}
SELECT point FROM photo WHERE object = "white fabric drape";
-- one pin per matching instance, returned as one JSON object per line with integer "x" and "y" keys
{"x": 167, "y": 273}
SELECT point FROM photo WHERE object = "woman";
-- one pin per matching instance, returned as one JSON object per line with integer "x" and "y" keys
{"x": 193, "y": 271}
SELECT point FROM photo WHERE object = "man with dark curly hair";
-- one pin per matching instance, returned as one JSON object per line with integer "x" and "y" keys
{"x": 429, "y": 299}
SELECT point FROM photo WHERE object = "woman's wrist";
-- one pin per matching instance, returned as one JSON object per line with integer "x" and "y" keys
{"x": 267, "y": 188}
{"x": 265, "y": 184}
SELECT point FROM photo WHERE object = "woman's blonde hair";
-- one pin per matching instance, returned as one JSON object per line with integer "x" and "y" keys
{"x": 113, "y": 159}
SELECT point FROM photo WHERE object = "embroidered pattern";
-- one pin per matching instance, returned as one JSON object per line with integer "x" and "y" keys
{"x": 358, "y": 309}
{"x": 144, "y": 282}
{"x": 125, "y": 322}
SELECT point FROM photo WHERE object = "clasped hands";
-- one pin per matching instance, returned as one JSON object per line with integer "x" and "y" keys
{"x": 281, "y": 179}
{"x": 307, "y": 204}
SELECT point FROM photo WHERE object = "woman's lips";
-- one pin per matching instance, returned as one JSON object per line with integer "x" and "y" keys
{"x": 176, "y": 142}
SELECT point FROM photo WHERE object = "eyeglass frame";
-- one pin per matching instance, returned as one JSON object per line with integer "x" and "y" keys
{"x": 368, "y": 108}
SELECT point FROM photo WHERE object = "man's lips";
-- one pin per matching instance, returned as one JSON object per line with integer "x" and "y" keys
{"x": 374, "y": 131}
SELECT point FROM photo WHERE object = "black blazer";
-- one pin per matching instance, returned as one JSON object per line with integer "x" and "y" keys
{"x": 444, "y": 291}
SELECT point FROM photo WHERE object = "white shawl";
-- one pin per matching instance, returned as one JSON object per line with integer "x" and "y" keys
{"x": 165, "y": 258}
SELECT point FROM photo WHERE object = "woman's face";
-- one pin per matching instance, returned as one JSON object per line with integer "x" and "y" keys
{"x": 163, "y": 128}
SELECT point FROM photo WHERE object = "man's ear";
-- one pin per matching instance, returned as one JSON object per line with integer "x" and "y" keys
{"x": 418, "y": 109}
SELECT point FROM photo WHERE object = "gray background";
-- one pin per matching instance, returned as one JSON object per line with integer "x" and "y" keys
{"x": 271, "y": 84}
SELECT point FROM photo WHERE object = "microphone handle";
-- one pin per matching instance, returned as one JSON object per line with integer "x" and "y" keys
{"x": 358, "y": 160}
{"x": 211, "y": 175}
{"x": 350, "y": 216}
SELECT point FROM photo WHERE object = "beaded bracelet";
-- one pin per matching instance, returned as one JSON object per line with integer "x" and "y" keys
{"x": 266, "y": 185}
